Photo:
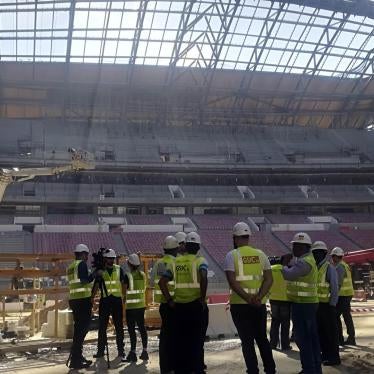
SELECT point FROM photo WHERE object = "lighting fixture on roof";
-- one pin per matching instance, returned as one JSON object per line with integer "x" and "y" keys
{"x": 370, "y": 126}
{"x": 16, "y": 169}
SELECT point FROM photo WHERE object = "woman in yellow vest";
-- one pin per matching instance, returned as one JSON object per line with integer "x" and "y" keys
{"x": 280, "y": 309}
{"x": 136, "y": 283}
{"x": 249, "y": 275}
{"x": 328, "y": 290}
{"x": 346, "y": 292}
{"x": 167, "y": 337}
{"x": 80, "y": 285}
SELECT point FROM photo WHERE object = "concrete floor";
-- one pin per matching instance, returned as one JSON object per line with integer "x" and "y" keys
{"x": 222, "y": 356}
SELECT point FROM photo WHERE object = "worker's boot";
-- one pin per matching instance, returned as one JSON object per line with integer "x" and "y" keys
{"x": 131, "y": 357}
{"x": 79, "y": 365}
{"x": 84, "y": 360}
{"x": 350, "y": 341}
{"x": 144, "y": 356}
{"x": 98, "y": 355}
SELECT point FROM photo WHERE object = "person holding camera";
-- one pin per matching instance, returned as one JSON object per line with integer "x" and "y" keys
{"x": 112, "y": 279}
{"x": 80, "y": 285}
{"x": 135, "y": 285}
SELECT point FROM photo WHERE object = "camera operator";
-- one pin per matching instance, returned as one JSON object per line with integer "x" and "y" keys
{"x": 80, "y": 285}
{"x": 110, "y": 303}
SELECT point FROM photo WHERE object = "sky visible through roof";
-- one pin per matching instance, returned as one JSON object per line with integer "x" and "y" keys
{"x": 262, "y": 35}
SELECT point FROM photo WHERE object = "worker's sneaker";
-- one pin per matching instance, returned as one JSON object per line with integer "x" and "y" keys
{"x": 331, "y": 363}
{"x": 123, "y": 357}
{"x": 84, "y": 360}
{"x": 79, "y": 365}
{"x": 98, "y": 355}
{"x": 144, "y": 356}
{"x": 350, "y": 341}
{"x": 131, "y": 357}
{"x": 289, "y": 348}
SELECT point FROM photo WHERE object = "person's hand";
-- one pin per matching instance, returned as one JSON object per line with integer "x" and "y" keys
{"x": 99, "y": 273}
{"x": 256, "y": 300}
{"x": 171, "y": 303}
{"x": 286, "y": 259}
{"x": 249, "y": 299}
{"x": 203, "y": 303}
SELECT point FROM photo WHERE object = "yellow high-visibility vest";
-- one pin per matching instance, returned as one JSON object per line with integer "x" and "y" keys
{"x": 77, "y": 290}
{"x": 278, "y": 290}
{"x": 347, "y": 287}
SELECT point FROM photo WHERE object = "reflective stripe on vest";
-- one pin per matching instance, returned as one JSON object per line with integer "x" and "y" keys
{"x": 187, "y": 285}
{"x": 113, "y": 282}
{"x": 135, "y": 295}
{"x": 278, "y": 290}
{"x": 158, "y": 297}
{"x": 323, "y": 286}
{"x": 347, "y": 287}
{"x": 248, "y": 272}
{"x": 77, "y": 290}
{"x": 304, "y": 290}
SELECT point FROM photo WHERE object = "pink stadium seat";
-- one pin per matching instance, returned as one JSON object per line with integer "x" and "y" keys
{"x": 216, "y": 222}
{"x": 364, "y": 238}
{"x": 145, "y": 242}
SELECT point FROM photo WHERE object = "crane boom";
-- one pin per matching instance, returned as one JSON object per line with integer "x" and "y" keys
{"x": 80, "y": 160}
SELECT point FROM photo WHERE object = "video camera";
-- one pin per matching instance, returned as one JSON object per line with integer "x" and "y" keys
{"x": 98, "y": 259}
{"x": 275, "y": 260}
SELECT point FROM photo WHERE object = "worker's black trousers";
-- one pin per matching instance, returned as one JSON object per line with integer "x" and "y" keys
{"x": 328, "y": 332}
{"x": 110, "y": 306}
{"x": 82, "y": 317}
{"x": 205, "y": 328}
{"x": 343, "y": 307}
{"x": 167, "y": 338}
{"x": 188, "y": 347}
{"x": 280, "y": 319}
{"x": 250, "y": 321}
{"x": 136, "y": 317}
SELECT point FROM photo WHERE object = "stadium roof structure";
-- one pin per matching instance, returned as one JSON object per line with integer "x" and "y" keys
{"x": 307, "y": 63}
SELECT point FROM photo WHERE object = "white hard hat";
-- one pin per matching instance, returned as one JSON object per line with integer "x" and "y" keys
{"x": 302, "y": 238}
{"x": 337, "y": 251}
{"x": 241, "y": 229}
{"x": 79, "y": 248}
{"x": 134, "y": 259}
{"x": 193, "y": 237}
{"x": 109, "y": 253}
{"x": 319, "y": 245}
{"x": 170, "y": 242}
{"x": 180, "y": 236}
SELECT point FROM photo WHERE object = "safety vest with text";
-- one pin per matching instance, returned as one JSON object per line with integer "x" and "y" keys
{"x": 304, "y": 289}
{"x": 168, "y": 261}
{"x": 346, "y": 288}
{"x": 113, "y": 282}
{"x": 186, "y": 278}
{"x": 323, "y": 285}
{"x": 135, "y": 295}
{"x": 248, "y": 272}
{"x": 278, "y": 290}
{"x": 77, "y": 290}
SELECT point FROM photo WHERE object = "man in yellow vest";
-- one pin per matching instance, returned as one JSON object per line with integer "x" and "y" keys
{"x": 346, "y": 292}
{"x": 190, "y": 277}
{"x": 280, "y": 309}
{"x": 111, "y": 304}
{"x": 248, "y": 272}
{"x": 167, "y": 338}
{"x": 302, "y": 277}
{"x": 135, "y": 285}
{"x": 328, "y": 290}
{"x": 80, "y": 285}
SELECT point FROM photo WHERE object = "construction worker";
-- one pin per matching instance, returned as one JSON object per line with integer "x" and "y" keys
{"x": 280, "y": 309}
{"x": 248, "y": 272}
{"x": 112, "y": 291}
{"x": 135, "y": 285}
{"x": 191, "y": 282}
{"x": 166, "y": 345}
{"x": 328, "y": 290}
{"x": 80, "y": 286}
{"x": 302, "y": 277}
{"x": 181, "y": 238}
{"x": 346, "y": 292}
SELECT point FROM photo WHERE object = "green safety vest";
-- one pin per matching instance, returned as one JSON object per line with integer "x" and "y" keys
{"x": 248, "y": 271}
{"x": 278, "y": 290}
{"x": 186, "y": 278}
{"x": 113, "y": 282}
{"x": 77, "y": 290}
{"x": 135, "y": 295}
{"x": 304, "y": 289}
{"x": 158, "y": 297}
{"x": 346, "y": 288}
{"x": 323, "y": 285}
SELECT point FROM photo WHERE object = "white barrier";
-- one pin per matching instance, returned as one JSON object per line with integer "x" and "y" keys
{"x": 220, "y": 321}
